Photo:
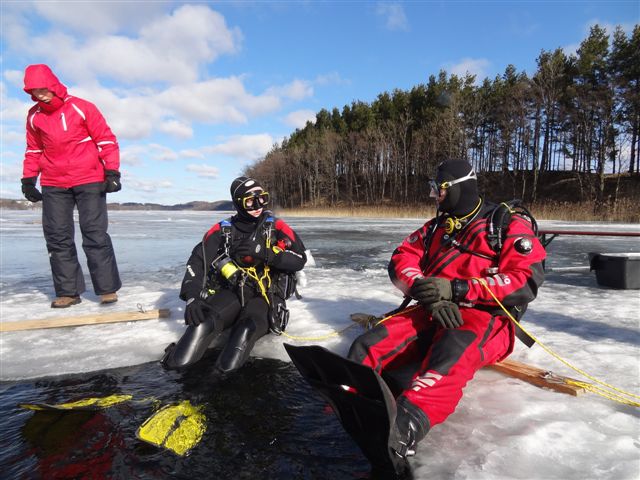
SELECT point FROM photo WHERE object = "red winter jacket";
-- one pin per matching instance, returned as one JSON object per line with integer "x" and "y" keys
{"x": 71, "y": 145}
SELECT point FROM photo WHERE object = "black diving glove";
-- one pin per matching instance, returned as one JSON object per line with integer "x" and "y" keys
{"x": 29, "y": 189}
{"x": 254, "y": 252}
{"x": 447, "y": 314}
{"x": 430, "y": 290}
{"x": 196, "y": 312}
{"x": 112, "y": 181}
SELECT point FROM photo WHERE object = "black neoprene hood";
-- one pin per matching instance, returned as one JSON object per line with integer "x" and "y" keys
{"x": 462, "y": 197}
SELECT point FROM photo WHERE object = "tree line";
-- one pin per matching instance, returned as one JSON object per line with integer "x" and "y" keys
{"x": 578, "y": 113}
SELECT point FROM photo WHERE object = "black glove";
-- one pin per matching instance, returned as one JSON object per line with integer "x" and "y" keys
{"x": 29, "y": 189}
{"x": 430, "y": 290}
{"x": 196, "y": 312}
{"x": 112, "y": 181}
{"x": 447, "y": 314}
{"x": 254, "y": 252}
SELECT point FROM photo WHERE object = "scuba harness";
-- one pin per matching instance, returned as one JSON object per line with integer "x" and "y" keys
{"x": 238, "y": 276}
{"x": 498, "y": 220}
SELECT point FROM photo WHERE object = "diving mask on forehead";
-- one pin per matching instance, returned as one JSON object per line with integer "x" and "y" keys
{"x": 435, "y": 186}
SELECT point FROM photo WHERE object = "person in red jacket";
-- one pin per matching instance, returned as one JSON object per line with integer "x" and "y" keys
{"x": 76, "y": 155}
{"x": 238, "y": 278}
{"x": 453, "y": 267}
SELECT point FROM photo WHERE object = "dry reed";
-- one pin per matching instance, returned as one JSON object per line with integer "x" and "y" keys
{"x": 625, "y": 211}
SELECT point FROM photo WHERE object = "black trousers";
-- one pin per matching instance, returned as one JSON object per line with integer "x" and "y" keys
{"x": 58, "y": 226}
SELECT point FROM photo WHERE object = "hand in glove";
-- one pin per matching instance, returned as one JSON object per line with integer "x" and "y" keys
{"x": 112, "y": 181}
{"x": 254, "y": 252}
{"x": 447, "y": 314}
{"x": 196, "y": 312}
{"x": 29, "y": 189}
{"x": 430, "y": 290}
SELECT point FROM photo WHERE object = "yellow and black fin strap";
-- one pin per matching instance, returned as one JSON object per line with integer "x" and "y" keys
{"x": 86, "y": 404}
{"x": 178, "y": 428}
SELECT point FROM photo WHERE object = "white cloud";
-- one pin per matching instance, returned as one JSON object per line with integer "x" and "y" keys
{"x": 133, "y": 116}
{"x": 148, "y": 186}
{"x": 296, "y": 90}
{"x": 571, "y": 49}
{"x": 244, "y": 147}
{"x": 15, "y": 78}
{"x": 10, "y": 168}
{"x": 216, "y": 101}
{"x": 162, "y": 153}
{"x": 133, "y": 155}
{"x": 105, "y": 17}
{"x": 332, "y": 78}
{"x": 206, "y": 171}
{"x": 13, "y": 109}
{"x": 627, "y": 27}
{"x": 299, "y": 118}
{"x": 169, "y": 49}
{"x": 394, "y": 16}
{"x": 473, "y": 66}
{"x": 11, "y": 137}
{"x": 191, "y": 153}
{"x": 176, "y": 129}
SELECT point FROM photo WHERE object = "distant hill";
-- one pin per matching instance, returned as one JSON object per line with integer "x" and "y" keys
{"x": 220, "y": 205}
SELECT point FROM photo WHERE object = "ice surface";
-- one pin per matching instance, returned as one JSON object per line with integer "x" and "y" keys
{"x": 503, "y": 428}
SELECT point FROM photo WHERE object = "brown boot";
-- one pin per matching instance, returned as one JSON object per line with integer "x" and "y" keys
{"x": 108, "y": 298}
{"x": 65, "y": 302}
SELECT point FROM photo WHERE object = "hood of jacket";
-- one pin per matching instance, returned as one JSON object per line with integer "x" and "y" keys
{"x": 41, "y": 76}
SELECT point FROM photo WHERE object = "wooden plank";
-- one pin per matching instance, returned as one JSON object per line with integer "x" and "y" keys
{"x": 94, "y": 319}
{"x": 537, "y": 376}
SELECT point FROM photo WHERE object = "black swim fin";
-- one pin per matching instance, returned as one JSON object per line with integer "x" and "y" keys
{"x": 362, "y": 401}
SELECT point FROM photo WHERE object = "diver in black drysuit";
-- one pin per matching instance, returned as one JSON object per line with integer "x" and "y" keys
{"x": 222, "y": 282}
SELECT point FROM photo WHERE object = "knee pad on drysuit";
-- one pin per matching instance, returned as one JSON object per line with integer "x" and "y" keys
{"x": 238, "y": 347}
{"x": 192, "y": 345}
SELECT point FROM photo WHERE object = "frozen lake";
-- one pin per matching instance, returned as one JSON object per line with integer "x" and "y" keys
{"x": 503, "y": 428}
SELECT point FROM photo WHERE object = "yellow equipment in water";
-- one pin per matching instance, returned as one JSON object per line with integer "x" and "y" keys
{"x": 178, "y": 427}
{"x": 86, "y": 404}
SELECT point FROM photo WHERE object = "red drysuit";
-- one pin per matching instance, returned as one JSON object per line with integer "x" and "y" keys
{"x": 446, "y": 359}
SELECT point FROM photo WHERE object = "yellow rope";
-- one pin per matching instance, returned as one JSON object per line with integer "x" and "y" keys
{"x": 587, "y": 386}
{"x": 406, "y": 310}
{"x": 335, "y": 333}
{"x": 253, "y": 274}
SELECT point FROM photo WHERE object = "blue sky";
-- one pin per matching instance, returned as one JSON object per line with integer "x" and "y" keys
{"x": 196, "y": 91}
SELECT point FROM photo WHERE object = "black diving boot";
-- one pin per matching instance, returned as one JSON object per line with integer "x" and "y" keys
{"x": 411, "y": 426}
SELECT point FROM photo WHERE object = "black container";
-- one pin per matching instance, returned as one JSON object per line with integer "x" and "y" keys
{"x": 616, "y": 270}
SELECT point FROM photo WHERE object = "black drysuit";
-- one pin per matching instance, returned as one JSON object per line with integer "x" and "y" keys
{"x": 245, "y": 308}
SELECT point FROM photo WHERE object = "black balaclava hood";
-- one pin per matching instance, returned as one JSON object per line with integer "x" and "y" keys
{"x": 462, "y": 197}
{"x": 239, "y": 187}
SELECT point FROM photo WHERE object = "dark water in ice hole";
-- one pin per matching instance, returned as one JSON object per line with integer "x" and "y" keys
{"x": 263, "y": 422}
